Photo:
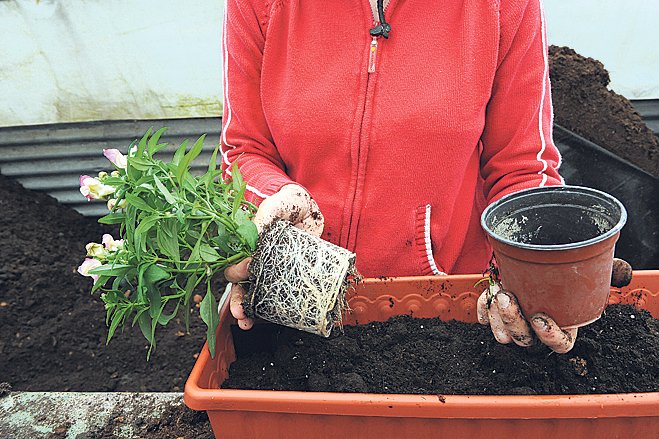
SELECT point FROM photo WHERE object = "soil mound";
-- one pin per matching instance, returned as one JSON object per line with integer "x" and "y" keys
{"x": 584, "y": 104}
{"x": 52, "y": 331}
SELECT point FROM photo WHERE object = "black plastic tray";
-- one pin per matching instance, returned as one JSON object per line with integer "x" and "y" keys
{"x": 588, "y": 164}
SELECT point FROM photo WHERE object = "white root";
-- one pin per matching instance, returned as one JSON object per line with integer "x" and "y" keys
{"x": 299, "y": 280}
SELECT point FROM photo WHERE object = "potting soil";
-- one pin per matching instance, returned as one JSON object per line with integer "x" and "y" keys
{"x": 617, "y": 354}
{"x": 52, "y": 330}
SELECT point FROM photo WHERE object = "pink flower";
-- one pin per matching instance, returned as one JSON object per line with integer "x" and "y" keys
{"x": 88, "y": 265}
{"x": 93, "y": 189}
{"x": 110, "y": 244}
{"x": 116, "y": 157}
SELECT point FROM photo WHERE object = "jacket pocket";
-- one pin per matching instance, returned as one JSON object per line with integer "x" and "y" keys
{"x": 423, "y": 242}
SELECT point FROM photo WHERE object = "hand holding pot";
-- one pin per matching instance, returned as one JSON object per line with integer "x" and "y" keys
{"x": 508, "y": 324}
{"x": 292, "y": 203}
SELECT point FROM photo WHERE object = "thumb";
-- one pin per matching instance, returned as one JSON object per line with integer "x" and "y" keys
{"x": 294, "y": 204}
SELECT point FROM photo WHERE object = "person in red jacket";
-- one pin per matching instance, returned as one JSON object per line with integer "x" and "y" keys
{"x": 388, "y": 128}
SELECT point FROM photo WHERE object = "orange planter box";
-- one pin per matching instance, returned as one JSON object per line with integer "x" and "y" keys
{"x": 283, "y": 414}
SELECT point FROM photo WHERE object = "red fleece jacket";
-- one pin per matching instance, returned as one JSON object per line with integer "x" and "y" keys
{"x": 401, "y": 141}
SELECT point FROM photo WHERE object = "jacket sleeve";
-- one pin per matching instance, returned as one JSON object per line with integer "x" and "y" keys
{"x": 518, "y": 149}
{"x": 246, "y": 138}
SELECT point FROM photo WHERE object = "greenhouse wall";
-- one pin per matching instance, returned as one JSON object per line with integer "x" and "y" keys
{"x": 87, "y": 60}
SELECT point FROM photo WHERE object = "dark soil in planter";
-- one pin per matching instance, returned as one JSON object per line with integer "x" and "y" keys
{"x": 52, "y": 330}
{"x": 617, "y": 354}
{"x": 584, "y": 104}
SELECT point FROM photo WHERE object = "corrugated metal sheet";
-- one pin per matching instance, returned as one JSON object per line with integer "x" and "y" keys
{"x": 649, "y": 110}
{"x": 52, "y": 157}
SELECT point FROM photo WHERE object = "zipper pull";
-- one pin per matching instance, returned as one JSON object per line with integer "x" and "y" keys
{"x": 372, "y": 54}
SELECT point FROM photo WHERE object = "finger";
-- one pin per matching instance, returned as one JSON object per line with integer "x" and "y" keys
{"x": 621, "y": 275}
{"x": 314, "y": 221}
{"x": 497, "y": 325}
{"x": 482, "y": 305}
{"x": 511, "y": 315}
{"x": 246, "y": 324}
{"x": 238, "y": 272}
{"x": 291, "y": 203}
{"x": 481, "y": 309}
{"x": 236, "y": 302}
{"x": 558, "y": 340}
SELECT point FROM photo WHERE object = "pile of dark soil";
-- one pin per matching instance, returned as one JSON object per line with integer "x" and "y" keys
{"x": 584, "y": 104}
{"x": 617, "y": 354}
{"x": 52, "y": 330}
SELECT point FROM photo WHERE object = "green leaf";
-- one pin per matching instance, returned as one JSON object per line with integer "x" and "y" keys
{"x": 100, "y": 282}
{"x": 141, "y": 146}
{"x": 113, "y": 218}
{"x": 153, "y": 141}
{"x": 117, "y": 318}
{"x": 249, "y": 233}
{"x": 111, "y": 270}
{"x": 155, "y": 301}
{"x": 184, "y": 165}
{"x": 164, "y": 191}
{"x": 138, "y": 203}
{"x": 190, "y": 285}
{"x": 142, "y": 230}
{"x": 167, "y": 238}
{"x": 163, "y": 319}
{"x": 144, "y": 321}
{"x": 236, "y": 178}
{"x": 179, "y": 154}
{"x": 210, "y": 316}
{"x": 212, "y": 164}
{"x": 113, "y": 181}
{"x": 208, "y": 253}
{"x": 141, "y": 164}
{"x": 154, "y": 274}
{"x": 159, "y": 147}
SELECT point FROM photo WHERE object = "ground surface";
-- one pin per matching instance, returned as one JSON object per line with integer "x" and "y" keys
{"x": 102, "y": 415}
{"x": 617, "y": 354}
{"x": 584, "y": 104}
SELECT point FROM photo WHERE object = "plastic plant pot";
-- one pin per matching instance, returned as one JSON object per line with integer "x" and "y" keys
{"x": 283, "y": 414}
{"x": 554, "y": 248}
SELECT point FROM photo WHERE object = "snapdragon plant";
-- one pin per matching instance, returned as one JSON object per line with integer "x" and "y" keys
{"x": 178, "y": 231}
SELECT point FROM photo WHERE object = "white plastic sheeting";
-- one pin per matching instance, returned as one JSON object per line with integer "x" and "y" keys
{"x": 82, "y": 60}
{"x": 624, "y": 35}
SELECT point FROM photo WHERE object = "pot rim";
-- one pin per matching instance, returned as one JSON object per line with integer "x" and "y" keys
{"x": 555, "y": 247}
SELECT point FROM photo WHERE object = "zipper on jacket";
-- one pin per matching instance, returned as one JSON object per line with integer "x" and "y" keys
{"x": 372, "y": 55}
{"x": 350, "y": 240}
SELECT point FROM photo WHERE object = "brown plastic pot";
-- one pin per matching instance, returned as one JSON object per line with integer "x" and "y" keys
{"x": 554, "y": 248}
{"x": 282, "y": 414}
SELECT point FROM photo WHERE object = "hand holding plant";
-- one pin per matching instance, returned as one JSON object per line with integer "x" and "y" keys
{"x": 179, "y": 231}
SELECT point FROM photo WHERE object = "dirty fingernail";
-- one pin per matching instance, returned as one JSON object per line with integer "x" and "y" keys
{"x": 503, "y": 300}
{"x": 539, "y": 323}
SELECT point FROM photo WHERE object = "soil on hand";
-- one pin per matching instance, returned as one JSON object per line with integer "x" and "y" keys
{"x": 617, "y": 354}
{"x": 52, "y": 330}
{"x": 584, "y": 104}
